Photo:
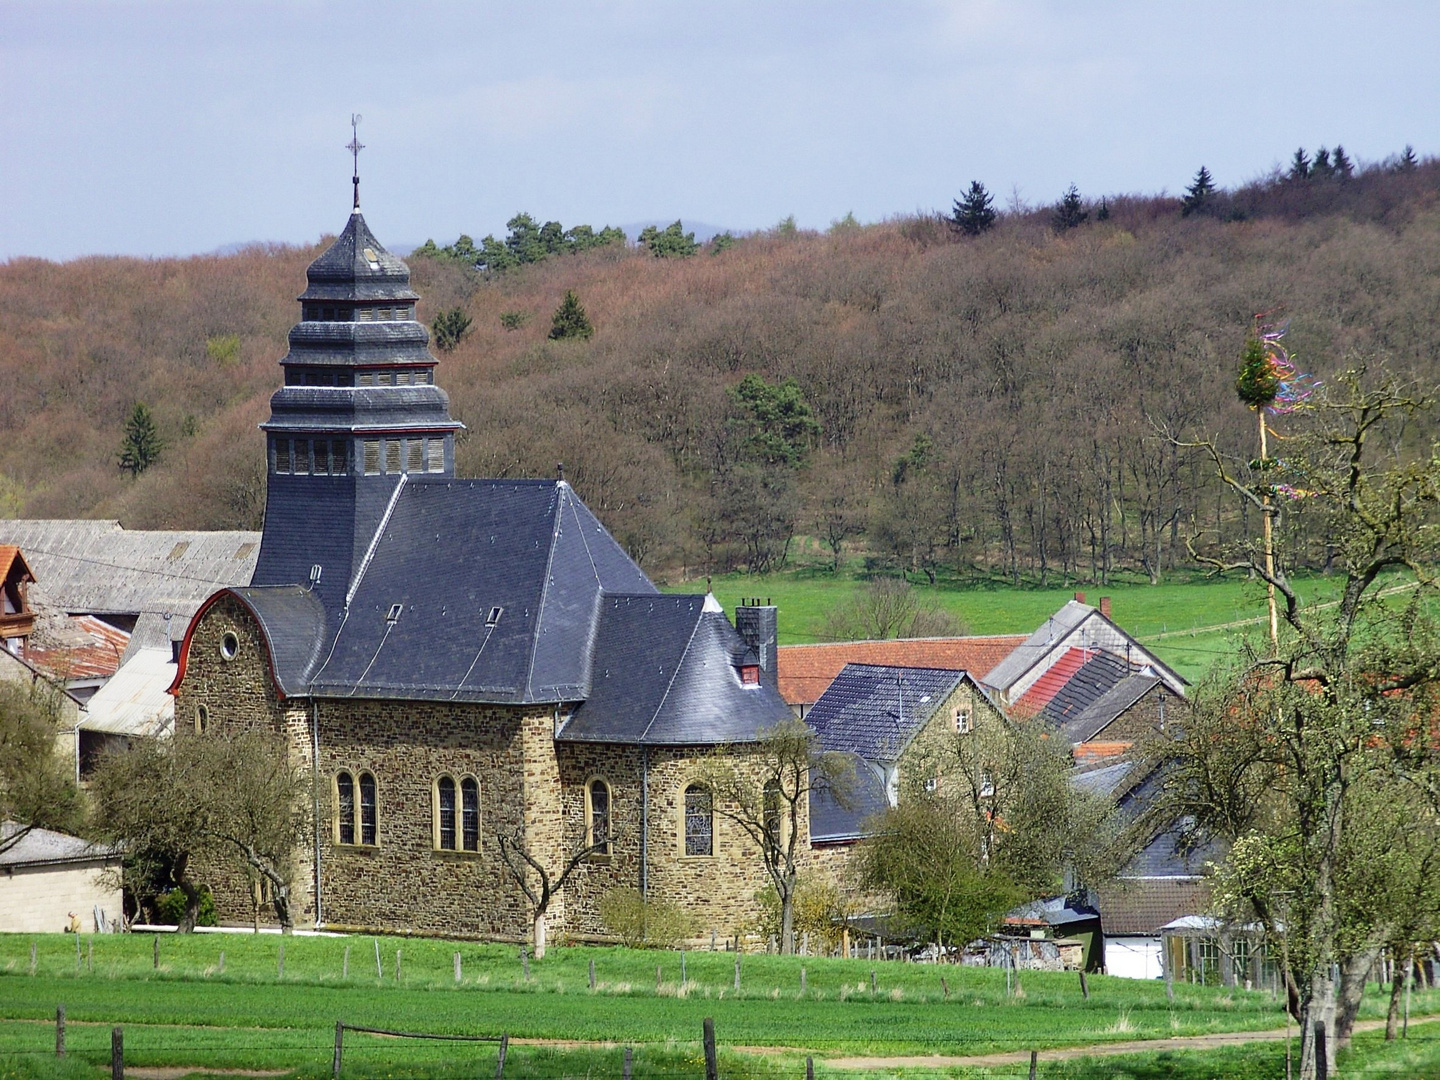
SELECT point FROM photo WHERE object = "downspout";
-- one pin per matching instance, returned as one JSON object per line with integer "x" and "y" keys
{"x": 315, "y": 798}
{"x": 644, "y": 822}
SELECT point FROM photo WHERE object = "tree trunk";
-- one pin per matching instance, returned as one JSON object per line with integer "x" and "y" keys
{"x": 1352, "y": 989}
{"x": 192, "y": 903}
{"x": 1318, "y": 1008}
{"x": 282, "y": 906}
{"x": 539, "y": 935}
{"x": 1392, "y": 1018}
{"x": 787, "y": 922}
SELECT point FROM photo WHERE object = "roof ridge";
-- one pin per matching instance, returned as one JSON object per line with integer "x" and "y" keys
{"x": 555, "y": 520}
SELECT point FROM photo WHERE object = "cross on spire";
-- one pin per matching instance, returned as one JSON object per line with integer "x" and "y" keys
{"x": 355, "y": 146}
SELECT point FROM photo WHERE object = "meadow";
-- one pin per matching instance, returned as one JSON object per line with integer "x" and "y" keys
{"x": 190, "y": 1012}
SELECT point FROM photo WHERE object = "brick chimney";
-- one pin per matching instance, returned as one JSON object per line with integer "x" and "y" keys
{"x": 759, "y": 626}
{"x": 1105, "y": 606}
{"x": 1079, "y": 598}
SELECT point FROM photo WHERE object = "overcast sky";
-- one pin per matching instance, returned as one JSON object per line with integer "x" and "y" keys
{"x": 158, "y": 128}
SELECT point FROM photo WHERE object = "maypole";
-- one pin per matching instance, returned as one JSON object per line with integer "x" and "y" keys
{"x": 1269, "y": 383}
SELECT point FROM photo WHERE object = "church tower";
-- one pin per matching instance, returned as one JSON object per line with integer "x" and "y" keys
{"x": 359, "y": 416}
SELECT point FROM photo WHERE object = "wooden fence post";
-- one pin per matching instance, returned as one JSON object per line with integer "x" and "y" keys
{"x": 712, "y": 1071}
{"x": 872, "y": 980}
{"x": 117, "y": 1053}
{"x": 737, "y": 971}
{"x": 683, "y": 980}
{"x": 592, "y": 973}
{"x": 379, "y": 971}
{"x": 712, "y": 939}
{"x": 1084, "y": 987}
{"x": 220, "y": 968}
{"x": 944, "y": 988}
{"x": 1034, "y": 1058}
{"x": 657, "y": 978}
{"x": 802, "y": 981}
{"x": 500, "y": 1062}
{"x": 156, "y": 941}
{"x": 457, "y": 968}
{"x": 809, "y": 1067}
{"x": 339, "y": 1049}
{"x": 32, "y": 958}
{"x": 525, "y": 962}
{"x": 90, "y": 956}
{"x": 397, "y": 965}
{"x": 77, "y": 950}
{"x": 345, "y": 965}
{"x": 59, "y": 1030}
{"x": 627, "y": 1063}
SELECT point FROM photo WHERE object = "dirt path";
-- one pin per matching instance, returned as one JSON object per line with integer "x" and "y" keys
{"x": 1133, "y": 1046}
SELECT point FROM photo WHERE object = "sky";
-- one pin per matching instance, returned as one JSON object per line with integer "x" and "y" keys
{"x": 159, "y": 129}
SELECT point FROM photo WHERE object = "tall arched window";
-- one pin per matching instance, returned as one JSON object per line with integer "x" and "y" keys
{"x": 367, "y": 808}
{"x": 699, "y": 821}
{"x": 445, "y": 813}
{"x": 470, "y": 814}
{"x": 597, "y": 816}
{"x": 772, "y": 813}
{"x": 344, "y": 808}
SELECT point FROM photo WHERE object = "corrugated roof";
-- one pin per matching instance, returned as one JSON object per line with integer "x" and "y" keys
{"x": 83, "y": 647}
{"x": 135, "y": 701}
{"x": 806, "y": 670}
{"x": 97, "y": 567}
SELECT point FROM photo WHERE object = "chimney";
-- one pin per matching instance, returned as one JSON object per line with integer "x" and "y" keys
{"x": 759, "y": 626}
{"x": 1105, "y": 606}
{"x": 1079, "y": 598}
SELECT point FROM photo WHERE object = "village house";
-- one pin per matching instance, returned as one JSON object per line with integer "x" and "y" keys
{"x": 464, "y": 659}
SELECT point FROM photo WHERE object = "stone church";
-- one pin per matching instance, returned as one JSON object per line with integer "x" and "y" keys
{"x": 461, "y": 659}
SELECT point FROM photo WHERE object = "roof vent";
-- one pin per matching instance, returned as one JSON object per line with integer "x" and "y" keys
{"x": 315, "y": 571}
{"x": 494, "y": 617}
{"x": 394, "y": 615}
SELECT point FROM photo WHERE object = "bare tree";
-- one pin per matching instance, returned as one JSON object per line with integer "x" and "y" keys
{"x": 37, "y": 788}
{"x": 535, "y": 880}
{"x": 764, "y": 787}
{"x": 890, "y": 608}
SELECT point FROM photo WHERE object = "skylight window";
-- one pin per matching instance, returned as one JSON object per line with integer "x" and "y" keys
{"x": 394, "y": 615}
{"x": 494, "y": 617}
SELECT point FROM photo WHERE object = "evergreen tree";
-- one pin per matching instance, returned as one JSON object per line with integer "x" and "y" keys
{"x": 1342, "y": 165}
{"x": 974, "y": 213}
{"x": 1069, "y": 213}
{"x": 449, "y": 327}
{"x": 671, "y": 242}
{"x": 570, "y": 320}
{"x": 1300, "y": 165}
{"x": 1322, "y": 169}
{"x": 1407, "y": 161}
{"x": 142, "y": 445}
{"x": 1199, "y": 194}
{"x": 1103, "y": 214}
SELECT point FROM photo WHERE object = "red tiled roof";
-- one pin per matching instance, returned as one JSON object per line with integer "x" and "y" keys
{"x": 1052, "y": 682}
{"x": 1097, "y": 751}
{"x": 806, "y": 670}
{"x": 97, "y": 657}
{"x": 8, "y": 554}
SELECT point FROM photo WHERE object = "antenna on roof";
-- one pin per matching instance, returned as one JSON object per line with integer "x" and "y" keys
{"x": 355, "y": 146}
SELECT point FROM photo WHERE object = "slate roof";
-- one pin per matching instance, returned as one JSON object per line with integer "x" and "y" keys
{"x": 44, "y": 847}
{"x": 806, "y": 670}
{"x": 1089, "y": 721}
{"x": 874, "y": 710}
{"x": 834, "y": 822}
{"x": 1103, "y": 780}
{"x": 1097, "y": 674}
{"x": 666, "y": 672}
{"x": 347, "y": 271}
{"x": 1038, "y": 645}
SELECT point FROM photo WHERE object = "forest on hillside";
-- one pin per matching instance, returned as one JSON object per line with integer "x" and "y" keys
{"x": 948, "y": 404}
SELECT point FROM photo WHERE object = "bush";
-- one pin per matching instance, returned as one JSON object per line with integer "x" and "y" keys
{"x": 820, "y": 911}
{"x": 641, "y": 923}
{"x": 170, "y": 906}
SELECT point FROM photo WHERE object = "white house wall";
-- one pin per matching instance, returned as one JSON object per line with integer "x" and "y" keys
{"x": 39, "y": 899}
{"x": 1133, "y": 957}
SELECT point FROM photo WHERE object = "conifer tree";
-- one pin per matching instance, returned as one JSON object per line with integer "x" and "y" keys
{"x": 1103, "y": 214}
{"x": 974, "y": 213}
{"x": 1342, "y": 165}
{"x": 449, "y": 327}
{"x": 1069, "y": 213}
{"x": 1407, "y": 162}
{"x": 570, "y": 320}
{"x": 142, "y": 445}
{"x": 1322, "y": 169}
{"x": 1300, "y": 165}
{"x": 1199, "y": 194}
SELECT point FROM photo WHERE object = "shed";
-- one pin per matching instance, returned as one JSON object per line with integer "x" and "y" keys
{"x": 47, "y": 877}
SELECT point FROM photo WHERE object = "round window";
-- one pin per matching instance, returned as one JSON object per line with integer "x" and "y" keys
{"x": 229, "y": 645}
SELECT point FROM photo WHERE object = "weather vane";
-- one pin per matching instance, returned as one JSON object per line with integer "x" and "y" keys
{"x": 355, "y": 146}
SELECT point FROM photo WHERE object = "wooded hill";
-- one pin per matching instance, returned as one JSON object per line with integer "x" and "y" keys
{"x": 962, "y": 404}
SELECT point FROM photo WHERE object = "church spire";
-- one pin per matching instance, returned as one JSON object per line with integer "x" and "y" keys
{"x": 355, "y": 146}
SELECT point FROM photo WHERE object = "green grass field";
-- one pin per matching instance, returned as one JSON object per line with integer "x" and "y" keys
{"x": 187, "y": 1012}
{"x": 1176, "y": 618}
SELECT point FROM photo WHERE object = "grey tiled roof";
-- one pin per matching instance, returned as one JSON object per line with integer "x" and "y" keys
{"x": 346, "y": 272}
{"x": 832, "y": 821}
{"x": 41, "y": 847}
{"x": 1104, "y": 780}
{"x": 1096, "y": 677}
{"x": 874, "y": 711}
